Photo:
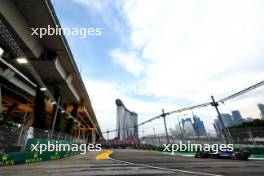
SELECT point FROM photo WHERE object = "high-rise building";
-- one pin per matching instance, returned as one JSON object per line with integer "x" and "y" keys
{"x": 218, "y": 133}
{"x": 193, "y": 128}
{"x": 218, "y": 127}
{"x": 127, "y": 122}
{"x": 227, "y": 119}
{"x": 188, "y": 127}
{"x": 237, "y": 118}
{"x": 198, "y": 126}
{"x": 261, "y": 109}
{"x": 185, "y": 121}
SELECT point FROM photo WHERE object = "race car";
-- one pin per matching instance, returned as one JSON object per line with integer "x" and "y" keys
{"x": 243, "y": 154}
{"x": 224, "y": 154}
{"x": 202, "y": 154}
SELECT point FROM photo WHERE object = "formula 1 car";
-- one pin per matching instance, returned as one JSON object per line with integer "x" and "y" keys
{"x": 224, "y": 154}
{"x": 202, "y": 154}
{"x": 241, "y": 155}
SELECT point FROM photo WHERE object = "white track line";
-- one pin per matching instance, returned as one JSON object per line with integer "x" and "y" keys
{"x": 167, "y": 169}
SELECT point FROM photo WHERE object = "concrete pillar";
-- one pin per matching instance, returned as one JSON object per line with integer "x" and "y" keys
{"x": 55, "y": 117}
{"x": 93, "y": 137}
{"x": 70, "y": 124}
{"x": 59, "y": 125}
{"x": 39, "y": 110}
{"x": 1, "y": 102}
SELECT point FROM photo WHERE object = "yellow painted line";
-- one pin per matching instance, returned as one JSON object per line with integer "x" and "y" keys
{"x": 104, "y": 155}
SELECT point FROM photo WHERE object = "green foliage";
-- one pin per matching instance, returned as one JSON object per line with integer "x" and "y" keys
{"x": 254, "y": 123}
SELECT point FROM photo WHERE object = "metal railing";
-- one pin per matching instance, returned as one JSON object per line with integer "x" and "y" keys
{"x": 224, "y": 137}
{"x": 14, "y": 140}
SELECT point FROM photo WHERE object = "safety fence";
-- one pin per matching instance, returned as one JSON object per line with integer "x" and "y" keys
{"x": 12, "y": 139}
{"x": 248, "y": 136}
{"x": 31, "y": 156}
{"x": 209, "y": 122}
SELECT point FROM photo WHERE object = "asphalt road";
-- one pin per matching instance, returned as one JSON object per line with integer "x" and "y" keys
{"x": 80, "y": 165}
{"x": 138, "y": 163}
{"x": 194, "y": 166}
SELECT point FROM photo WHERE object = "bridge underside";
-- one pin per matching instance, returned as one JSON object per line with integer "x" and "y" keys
{"x": 32, "y": 92}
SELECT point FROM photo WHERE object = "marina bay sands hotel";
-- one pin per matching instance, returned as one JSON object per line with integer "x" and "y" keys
{"x": 127, "y": 122}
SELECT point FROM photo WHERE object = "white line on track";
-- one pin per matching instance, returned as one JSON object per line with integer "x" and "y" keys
{"x": 167, "y": 169}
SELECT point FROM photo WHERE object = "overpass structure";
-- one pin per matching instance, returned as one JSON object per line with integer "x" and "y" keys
{"x": 39, "y": 79}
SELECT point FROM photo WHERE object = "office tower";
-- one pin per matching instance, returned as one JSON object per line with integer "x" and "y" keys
{"x": 261, "y": 109}
{"x": 188, "y": 127}
{"x": 237, "y": 118}
{"x": 127, "y": 122}
{"x": 218, "y": 126}
{"x": 193, "y": 128}
{"x": 227, "y": 119}
{"x": 184, "y": 121}
{"x": 198, "y": 126}
{"x": 218, "y": 133}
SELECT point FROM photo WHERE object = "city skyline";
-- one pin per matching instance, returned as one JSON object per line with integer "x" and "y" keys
{"x": 234, "y": 118}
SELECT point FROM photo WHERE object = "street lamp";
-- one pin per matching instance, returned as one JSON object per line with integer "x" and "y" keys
{"x": 22, "y": 60}
{"x": 43, "y": 89}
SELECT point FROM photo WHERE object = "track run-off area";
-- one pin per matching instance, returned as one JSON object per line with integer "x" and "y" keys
{"x": 136, "y": 162}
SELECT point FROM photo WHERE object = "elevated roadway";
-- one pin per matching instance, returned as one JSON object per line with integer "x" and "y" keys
{"x": 50, "y": 67}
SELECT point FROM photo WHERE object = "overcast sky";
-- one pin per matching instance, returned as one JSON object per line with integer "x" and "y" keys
{"x": 167, "y": 54}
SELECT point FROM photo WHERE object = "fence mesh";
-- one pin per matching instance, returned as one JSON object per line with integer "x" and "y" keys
{"x": 14, "y": 139}
{"x": 201, "y": 123}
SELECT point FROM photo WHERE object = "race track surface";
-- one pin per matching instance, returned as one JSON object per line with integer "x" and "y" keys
{"x": 130, "y": 162}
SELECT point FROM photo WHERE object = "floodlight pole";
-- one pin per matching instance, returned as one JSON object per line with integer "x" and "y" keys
{"x": 1, "y": 103}
{"x": 55, "y": 117}
{"x": 165, "y": 126}
{"x": 226, "y": 131}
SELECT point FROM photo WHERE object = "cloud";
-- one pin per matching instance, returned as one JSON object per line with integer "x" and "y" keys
{"x": 107, "y": 10}
{"x": 129, "y": 61}
{"x": 185, "y": 51}
{"x": 189, "y": 43}
{"x": 197, "y": 48}
{"x": 94, "y": 3}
